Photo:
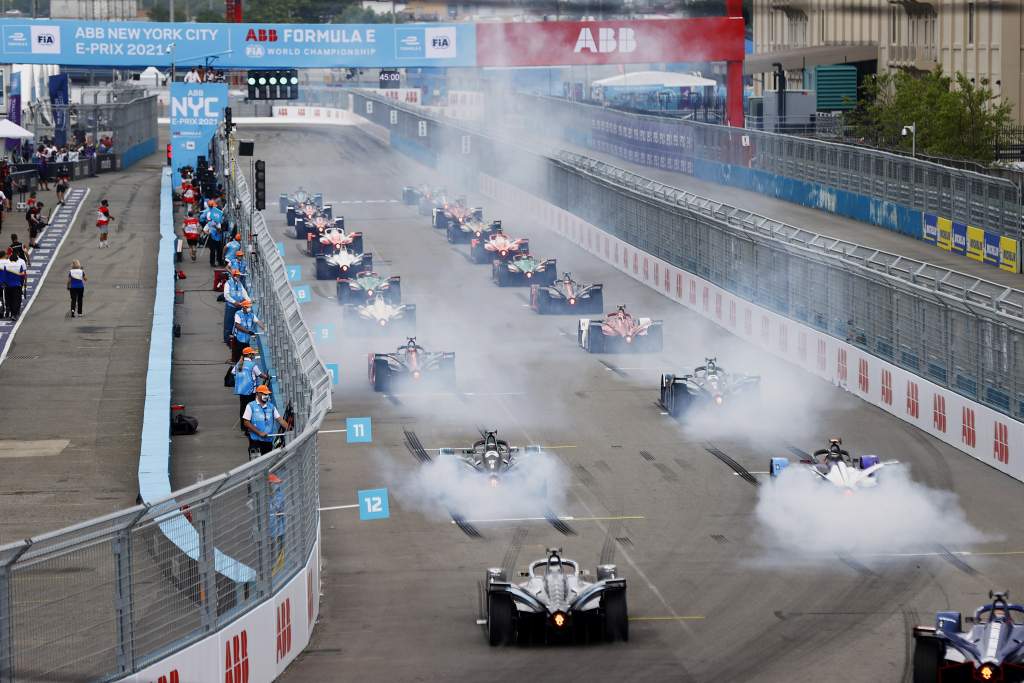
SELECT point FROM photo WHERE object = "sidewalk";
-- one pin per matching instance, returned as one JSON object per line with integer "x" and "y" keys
{"x": 69, "y": 441}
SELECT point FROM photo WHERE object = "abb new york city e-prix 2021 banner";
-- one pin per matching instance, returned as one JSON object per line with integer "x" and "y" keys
{"x": 142, "y": 44}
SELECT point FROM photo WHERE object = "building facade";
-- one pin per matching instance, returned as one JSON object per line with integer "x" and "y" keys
{"x": 110, "y": 10}
{"x": 982, "y": 39}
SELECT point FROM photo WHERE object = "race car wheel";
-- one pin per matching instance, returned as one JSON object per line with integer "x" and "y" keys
{"x": 290, "y": 215}
{"x": 596, "y": 302}
{"x": 616, "y": 616}
{"x": 543, "y": 299}
{"x": 324, "y": 271}
{"x": 547, "y": 278}
{"x": 449, "y": 233}
{"x": 500, "y": 629}
{"x": 653, "y": 340}
{"x": 499, "y": 274}
{"x": 928, "y": 653}
{"x": 394, "y": 291}
{"x": 595, "y": 338}
{"x": 357, "y": 244}
{"x": 381, "y": 375}
{"x": 282, "y": 202}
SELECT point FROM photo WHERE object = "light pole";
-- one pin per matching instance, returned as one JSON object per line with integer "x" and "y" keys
{"x": 911, "y": 130}
{"x": 170, "y": 48}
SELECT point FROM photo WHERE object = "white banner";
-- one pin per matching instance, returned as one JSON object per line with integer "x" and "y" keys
{"x": 977, "y": 430}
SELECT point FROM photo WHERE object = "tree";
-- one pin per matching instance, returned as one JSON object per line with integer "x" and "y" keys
{"x": 953, "y": 116}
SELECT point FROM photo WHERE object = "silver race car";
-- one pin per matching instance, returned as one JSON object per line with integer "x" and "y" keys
{"x": 412, "y": 365}
{"x": 379, "y": 316}
{"x": 834, "y": 465}
{"x": 991, "y": 649}
{"x": 566, "y": 295}
{"x": 708, "y": 385}
{"x": 490, "y": 456}
{"x": 557, "y": 602}
{"x": 523, "y": 270}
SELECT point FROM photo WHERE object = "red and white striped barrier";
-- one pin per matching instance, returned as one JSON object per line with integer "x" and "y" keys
{"x": 977, "y": 430}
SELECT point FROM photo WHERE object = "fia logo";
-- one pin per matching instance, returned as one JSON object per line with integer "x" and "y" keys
{"x": 254, "y": 51}
{"x": 440, "y": 42}
{"x": 46, "y": 39}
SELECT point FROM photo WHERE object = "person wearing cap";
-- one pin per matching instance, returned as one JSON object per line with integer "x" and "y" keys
{"x": 13, "y": 273}
{"x": 248, "y": 375}
{"x": 231, "y": 247}
{"x": 278, "y": 519}
{"x": 261, "y": 421}
{"x": 234, "y": 295}
{"x": 214, "y": 241}
{"x": 246, "y": 323}
{"x": 240, "y": 264}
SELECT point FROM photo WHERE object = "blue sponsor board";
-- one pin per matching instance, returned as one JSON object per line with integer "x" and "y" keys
{"x": 325, "y": 332}
{"x": 991, "y": 248}
{"x": 373, "y": 504}
{"x": 959, "y": 245}
{"x": 253, "y": 46}
{"x": 303, "y": 294}
{"x": 280, "y": 248}
{"x": 332, "y": 368}
{"x": 294, "y": 273}
{"x": 358, "y": 430}
{"x": 930, "y": 230}
{"x": 196, "y": 111}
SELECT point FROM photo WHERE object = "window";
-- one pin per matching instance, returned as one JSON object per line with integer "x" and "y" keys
{"x": 893, "y": 25}
{"x": 771, "y": 26}
{"x": 970, "y": 23}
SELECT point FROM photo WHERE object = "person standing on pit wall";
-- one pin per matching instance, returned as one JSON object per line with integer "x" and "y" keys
{"x": 14, "y": 275}
{"x": 103, "y": 218}
{"x": 76, "y": 287}
{"x": 246, "y": 323}
{"x": 248, "y": 375}
{"x": 234, "y": 295}
{"x": 261, "y": 420}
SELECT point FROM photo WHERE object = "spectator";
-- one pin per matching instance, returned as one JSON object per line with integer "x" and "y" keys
{"x": 14, "y": 272}
{"x": 192, "y": 76}
{"x": 63, "y": 183}
{"x": 43, "y": 168}
{"x": 278, "y": 520}
{"x": 103, "y": 219}
{"x": 234, "y": 295}
{"x": 191, "y": 230}
{"x": 31, "y": 201}
{"x": 36, "y": 222}
{"x": 246, "y": 323}
{"x": 214, "y": 234}
{"x": 260, "y": 419}
{"x": 5, "y": 205}
{"x": 248, "y": 375}
{"x": 19, "y": 249}
{"x": 76, "y": 287}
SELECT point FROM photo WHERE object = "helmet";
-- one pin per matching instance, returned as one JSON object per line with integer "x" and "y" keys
{"x": 273, "y": 478}
{"x": 238, "y": 236}
{"x": 236, "y": 271}
{"x": 245, "y": 303}
{"x": 239, "y": 253}
{"x": 263, "y": 389}
{"x": 247, "y": 350}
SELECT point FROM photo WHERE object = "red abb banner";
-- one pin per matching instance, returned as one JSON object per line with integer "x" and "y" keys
{"x": 550, "y": 43}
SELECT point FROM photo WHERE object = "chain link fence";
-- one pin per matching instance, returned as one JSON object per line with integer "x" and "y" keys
{"x": 107, "y": 597}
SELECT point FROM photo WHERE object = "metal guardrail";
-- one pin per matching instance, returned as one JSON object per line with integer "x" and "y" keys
{"x": 107, "y": 597}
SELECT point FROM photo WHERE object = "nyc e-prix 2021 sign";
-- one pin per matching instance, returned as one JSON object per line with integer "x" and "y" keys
{"x": 95, "y": 43}
{"x": 196, "y": 111}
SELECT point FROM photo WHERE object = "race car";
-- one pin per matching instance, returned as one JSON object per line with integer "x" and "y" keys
{"x": 426, "y": 199}
{"x": 620, "y": 332}
{"x": 331, "y": 240}
{"x": 303, "y": 203}
{"x": 835, "y": 466}
{"x": 557, "y": 602}
{"x": 341, "y": 264}
{"x": 490, "y": 456}
{"x": 708, "y": 385}
{"x": 365, "y": 286}
{"x": 565, "y": 295}
{"x": 412, "y": 364}
{"x": 991, "y": 649}
{"x": 523, "y": 270}
{"x": 378, "y": 316}
{"x": 455, "y": 212}
{"x": 316, "y": 225}
{"x": 465, "y": 230}
{"x": 498, "y": 246}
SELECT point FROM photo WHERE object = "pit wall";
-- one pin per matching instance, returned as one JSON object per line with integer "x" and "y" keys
{"x": 256, "y": 647}
{"x": 975, "y": 429}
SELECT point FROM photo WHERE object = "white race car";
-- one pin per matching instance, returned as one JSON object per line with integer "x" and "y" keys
{"x": 835, "y": 466}
{"x": 379, "y": 316}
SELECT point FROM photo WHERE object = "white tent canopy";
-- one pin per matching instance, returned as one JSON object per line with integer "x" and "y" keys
{"x": 9, "y": 130}
{"x": 664, "y": 79}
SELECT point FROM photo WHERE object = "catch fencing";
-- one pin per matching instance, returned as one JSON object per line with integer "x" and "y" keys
{"x": 108, "y": 597}
{"x": 958, "y": 331}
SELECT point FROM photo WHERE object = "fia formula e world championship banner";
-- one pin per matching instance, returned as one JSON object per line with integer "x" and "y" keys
{"x": 138, "y": 43}
{"x": 196, "y": 111}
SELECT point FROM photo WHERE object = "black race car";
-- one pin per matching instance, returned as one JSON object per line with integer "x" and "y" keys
{"x": 412, "y": 364}
{"x": 708, "y": 385}
{"x": 565, "y": 295}
{"x": 620, "y": 332}
{"x": 557, "y": 602}
{"x": 362, "y": 287}
{"x": 465, "y": 231}
{"x": 305, "y": 227}
{"x": 426, "y": 199}
{"x": 497, "y": 246}
{"x": 304, "y": 204}
{"x": 341, "y": 264}
{"x": 523, "y": 270}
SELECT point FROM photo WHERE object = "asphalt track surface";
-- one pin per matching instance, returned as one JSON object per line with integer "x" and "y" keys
{"x": 709, "y": 600}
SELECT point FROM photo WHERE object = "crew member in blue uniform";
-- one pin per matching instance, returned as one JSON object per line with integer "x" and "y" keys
{"x": 262, "y": 419}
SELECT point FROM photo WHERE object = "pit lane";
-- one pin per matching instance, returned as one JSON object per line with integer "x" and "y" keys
{"x": 400, "y": 596}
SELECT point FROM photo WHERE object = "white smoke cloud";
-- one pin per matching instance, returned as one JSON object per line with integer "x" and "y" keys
{"x": 803, "y": 516}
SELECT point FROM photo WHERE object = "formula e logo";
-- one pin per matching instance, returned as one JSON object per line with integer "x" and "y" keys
{"x": 254, "y": 51}
{"x": 606, "y": 41}
{"x": 16, "y": 39}
{"x": 263, "y": 35}
{"x": 46, "y": 40}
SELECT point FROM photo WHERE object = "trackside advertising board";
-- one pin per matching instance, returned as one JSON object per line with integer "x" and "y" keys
{"x": 139, "y": 43}
{"x": 196, "y": 111}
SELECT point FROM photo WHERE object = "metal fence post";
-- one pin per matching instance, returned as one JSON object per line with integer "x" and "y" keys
{"x": 207, "y": 564}
{"x": 7, "y": 664}
{"x": 122, "y": 548}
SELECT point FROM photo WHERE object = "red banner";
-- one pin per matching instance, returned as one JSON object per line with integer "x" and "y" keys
{"x": 553, "y": 43}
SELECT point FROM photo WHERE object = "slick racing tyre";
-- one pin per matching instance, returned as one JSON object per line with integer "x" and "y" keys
{"x": 500, "y": 630}
{"x": 616, "y": 617}
{"x": 653, "y": 340}
{"x": 927, "y": 658}
{"x": 380, "y": 375}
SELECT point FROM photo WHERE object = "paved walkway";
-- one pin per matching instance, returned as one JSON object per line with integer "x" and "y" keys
{"x": 808, "y": 218}
{"x": 69, "y": 438}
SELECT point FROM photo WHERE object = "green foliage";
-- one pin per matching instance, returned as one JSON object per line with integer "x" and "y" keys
{"x": 955, "y": 118}
{"x": 209, "y": 16}
{"x": 159, "y": 12}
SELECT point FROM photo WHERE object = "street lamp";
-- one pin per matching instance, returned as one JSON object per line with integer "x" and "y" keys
{"x": 911, "y": 130}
